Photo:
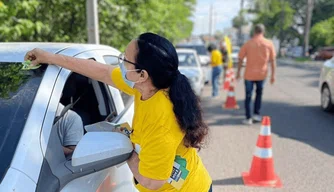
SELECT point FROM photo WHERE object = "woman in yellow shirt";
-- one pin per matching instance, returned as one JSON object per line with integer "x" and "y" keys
{"x": 217, "y": 68}
{"x": 168, "y": 124}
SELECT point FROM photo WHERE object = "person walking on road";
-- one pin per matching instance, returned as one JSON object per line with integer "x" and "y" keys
{"x": 168, "y": 126}
{"x": 224, "y": 53}
{"x": 258, "y": 51}
{"x": 217, "y": 68}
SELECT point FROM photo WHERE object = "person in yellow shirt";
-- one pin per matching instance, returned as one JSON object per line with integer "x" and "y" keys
{"x": 217, "y": 68}
{"x": 168, "y": 126}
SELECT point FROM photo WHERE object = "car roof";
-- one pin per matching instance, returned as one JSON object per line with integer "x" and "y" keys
{"x": 190, "y": 45}
{"x": 185, "y": 50}
{"x": 15, "y": 52}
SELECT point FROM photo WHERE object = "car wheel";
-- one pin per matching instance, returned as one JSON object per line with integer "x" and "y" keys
{"x": 326, "y": 100}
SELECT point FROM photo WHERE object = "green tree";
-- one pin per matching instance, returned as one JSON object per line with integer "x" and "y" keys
{"x": 276, "y": 15}
{"x": 239, "y": 20}
{"x": 322, "y": 33}
{"x": 119, "y": 24}
{"x": 323, "y": 9}
{"x": 119, "y": 20}
{"x": 292, "y": 14}
{"x": 12, "y": 77}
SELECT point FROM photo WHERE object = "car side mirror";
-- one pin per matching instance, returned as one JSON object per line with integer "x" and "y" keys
{"x": 95, "y": 147}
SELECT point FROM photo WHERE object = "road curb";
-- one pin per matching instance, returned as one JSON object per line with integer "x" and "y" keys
{"x": 317, "y": 64}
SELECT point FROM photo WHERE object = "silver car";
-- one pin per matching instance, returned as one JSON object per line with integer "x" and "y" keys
{"x": 189, "y": 65}
{"x": 204, "y": 58}
{"x": 32, "y": 157}
{"x": 327, "y": 86}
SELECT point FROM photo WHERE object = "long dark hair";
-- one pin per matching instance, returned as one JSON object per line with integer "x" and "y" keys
{"x": 159, "y": 58}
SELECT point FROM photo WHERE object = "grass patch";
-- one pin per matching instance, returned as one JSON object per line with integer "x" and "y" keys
{"x": 303, "y": 59}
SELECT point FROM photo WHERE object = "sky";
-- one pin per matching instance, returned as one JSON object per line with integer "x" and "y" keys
{"x": 224, "y": 11}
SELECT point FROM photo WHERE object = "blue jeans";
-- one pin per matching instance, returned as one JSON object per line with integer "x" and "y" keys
{"x": 210, "y": 190}
{"x": 216, "y": 72}
{"x": 258, "y": 100}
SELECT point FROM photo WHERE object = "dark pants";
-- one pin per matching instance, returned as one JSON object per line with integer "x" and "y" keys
{"x": 258, "y": 100}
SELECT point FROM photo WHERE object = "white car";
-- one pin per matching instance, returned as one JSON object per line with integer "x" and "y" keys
{"x": 326, "y": 85}
{"x": 32, "y": 157}
{"x": 235, "y": 54}
{"x": 189, "y": 65}
{"x": 204, "y": 58}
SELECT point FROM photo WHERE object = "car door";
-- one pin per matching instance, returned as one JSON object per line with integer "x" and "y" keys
{"x": 57, "y": 173}
{"x": 201, "y": 76}
{"x": 118, "y": 178}
{"x": 331, "y": 77}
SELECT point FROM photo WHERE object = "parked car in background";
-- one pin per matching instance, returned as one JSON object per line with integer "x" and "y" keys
{"x": 324, "y": 53}
{"x": 189, "y": 65}
{"x": 32, "y": 157}
{"x": 235, "y": 54}
{"x": 327, "y": 85}
{"x": 204, "y": 58}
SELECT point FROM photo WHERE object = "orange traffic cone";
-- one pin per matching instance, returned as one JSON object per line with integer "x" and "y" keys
{"x": 231, "y": 102}
{"x": 228, "y": 79}
{"x": 226, "y": 84}
{"x": 262, "y": 169}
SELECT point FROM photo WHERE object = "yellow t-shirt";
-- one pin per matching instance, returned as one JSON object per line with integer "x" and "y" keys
{"x": 216, "y": 58}
{"x": 156, "y": 131}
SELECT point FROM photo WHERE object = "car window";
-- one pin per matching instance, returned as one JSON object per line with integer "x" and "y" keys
{"x": 17, "y": 93}
{"x": 187, "y": 60}
{"x": 200, "y": 49}
{"x": 113, "y": 60}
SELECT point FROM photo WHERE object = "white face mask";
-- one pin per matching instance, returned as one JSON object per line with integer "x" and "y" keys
{"x": 124, "y": 71}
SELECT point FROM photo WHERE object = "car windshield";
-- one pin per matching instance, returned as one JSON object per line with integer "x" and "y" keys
{"x": 200, "y": 49}
{"x": 187, "y": 60}
{"x": 17, "y": 92}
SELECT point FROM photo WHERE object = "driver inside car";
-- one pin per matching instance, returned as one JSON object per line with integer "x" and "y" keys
{"x": 70, "y": 129}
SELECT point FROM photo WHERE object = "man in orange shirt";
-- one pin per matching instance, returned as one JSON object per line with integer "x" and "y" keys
{"x": 258, "y": 51}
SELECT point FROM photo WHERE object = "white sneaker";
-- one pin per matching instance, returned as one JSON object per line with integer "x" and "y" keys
{"x": 247, "y": 121}
{"x": 257, "y": 118}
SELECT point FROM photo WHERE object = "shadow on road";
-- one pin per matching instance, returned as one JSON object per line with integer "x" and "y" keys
{"x": 229, "y": 181}
{"x": 313, "y": 73}
{"x": 302, "y": 122}
{"x": 308, "y": 124}
{"x": 225, "y": 116}
{"x": 314, "y": 83}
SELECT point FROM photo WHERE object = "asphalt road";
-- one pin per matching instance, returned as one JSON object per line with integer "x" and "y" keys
{"x": 302, "y": 134}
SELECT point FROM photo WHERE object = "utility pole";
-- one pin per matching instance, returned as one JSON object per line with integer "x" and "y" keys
{"x": 240, "y": 38}
{"x": 92, "y": 22}
{"x": 309, "y": 10}
{"x": 211, "y": 20}
{"x": 214, "y": 22}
